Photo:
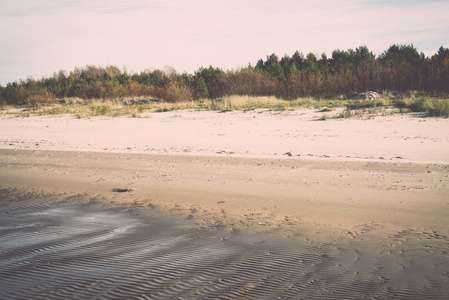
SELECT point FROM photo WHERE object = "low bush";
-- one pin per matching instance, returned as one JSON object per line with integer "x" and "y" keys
{"x": 421, "y": 104}
{"x": 174, "y": 92}
{"x": 432, "y": 106}
{"x": 440, "y": 108}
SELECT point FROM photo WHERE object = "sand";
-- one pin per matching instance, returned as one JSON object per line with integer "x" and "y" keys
{"x": 260, "y": 133}
{"x": 255, "y": 204}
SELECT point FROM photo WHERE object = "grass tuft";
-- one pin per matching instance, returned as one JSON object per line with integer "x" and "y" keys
{"x": 440, "y": 108}
{"x": 324, "y": 117}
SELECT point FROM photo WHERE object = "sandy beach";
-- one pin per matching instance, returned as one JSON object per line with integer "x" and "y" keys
{"x": 237, "y": 205}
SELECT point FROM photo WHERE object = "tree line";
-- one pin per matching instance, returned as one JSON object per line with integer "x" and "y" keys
{"x": 401, "y": 68}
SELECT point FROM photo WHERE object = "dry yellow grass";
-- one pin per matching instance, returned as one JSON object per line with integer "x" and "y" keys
{"x": 142, "y": 106}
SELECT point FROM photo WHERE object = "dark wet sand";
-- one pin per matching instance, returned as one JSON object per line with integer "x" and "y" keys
{"x": 66, "y": 234}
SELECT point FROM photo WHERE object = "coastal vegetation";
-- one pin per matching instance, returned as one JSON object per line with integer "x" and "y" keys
{"x": 405, "y": 78}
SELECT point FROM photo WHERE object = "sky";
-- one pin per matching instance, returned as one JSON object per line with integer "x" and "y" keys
{"x": 40, "y": 37}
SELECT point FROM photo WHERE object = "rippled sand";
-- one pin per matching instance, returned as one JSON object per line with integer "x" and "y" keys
{"x": 64, "y": 247}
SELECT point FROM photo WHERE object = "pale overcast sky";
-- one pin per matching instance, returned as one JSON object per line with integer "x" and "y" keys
{"x": 39, "y": 37}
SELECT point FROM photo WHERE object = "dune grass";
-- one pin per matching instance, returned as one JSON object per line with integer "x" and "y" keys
{"x": 434, "y": 107}
{"x": 141, "y": 106}
{"x": 144, "y": 106}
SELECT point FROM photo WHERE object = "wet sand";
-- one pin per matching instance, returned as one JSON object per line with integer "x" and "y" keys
{"x": 197, "y": 224}
{"x": 67, "y": 232}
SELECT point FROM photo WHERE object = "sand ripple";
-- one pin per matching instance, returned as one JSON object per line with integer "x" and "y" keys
{"x": 61, "y": 247}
